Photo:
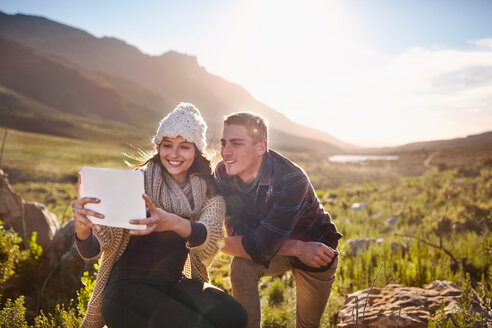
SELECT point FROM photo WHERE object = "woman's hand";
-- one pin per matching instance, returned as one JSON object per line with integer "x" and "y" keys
{"x": 161, "y": 220}
{"x": 82, "y": 223}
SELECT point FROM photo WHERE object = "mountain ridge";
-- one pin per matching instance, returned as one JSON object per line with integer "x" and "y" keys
{"x": 174, "y": 80}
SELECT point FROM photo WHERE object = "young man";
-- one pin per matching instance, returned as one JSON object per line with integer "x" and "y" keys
{"x": 275, "y": 221}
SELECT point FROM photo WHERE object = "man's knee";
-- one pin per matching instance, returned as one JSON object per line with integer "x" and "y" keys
{"x": 243, "y": 270}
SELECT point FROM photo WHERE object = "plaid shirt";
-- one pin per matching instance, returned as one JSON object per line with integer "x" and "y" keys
{"x": 280, "y": 204}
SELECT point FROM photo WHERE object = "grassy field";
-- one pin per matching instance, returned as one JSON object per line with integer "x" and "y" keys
{"x": 446, "y": 205}
{"x": 44, "y": 168}
{"x": 38, "y": 157}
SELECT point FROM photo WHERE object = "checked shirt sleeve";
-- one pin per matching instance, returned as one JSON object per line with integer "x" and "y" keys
{"x": 284, "y": 212}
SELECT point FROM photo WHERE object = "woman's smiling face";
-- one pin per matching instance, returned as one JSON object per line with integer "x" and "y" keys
{"x": 177, "y": 156}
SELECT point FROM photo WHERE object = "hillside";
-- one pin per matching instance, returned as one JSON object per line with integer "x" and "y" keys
{"x": 471, "y": 140}
{"x": 172, "y": 76}
{"x": 65, "y": 88}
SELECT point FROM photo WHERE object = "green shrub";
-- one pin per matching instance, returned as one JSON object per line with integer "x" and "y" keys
{"x": 10, "y": 253}
{"x": 84, "y": 294}
{"x": 66, "y": 318}
{"x": 13, "y": 314}
{"x": 464, "y": 317}
{"x": 275, "y": 318}
{"x": 275, "y": 292}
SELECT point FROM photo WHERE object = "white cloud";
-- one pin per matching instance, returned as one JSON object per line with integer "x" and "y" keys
{"x": 310, "y": 63}
{"x": 483, "y": 43}
{"x": 420, "y": 94}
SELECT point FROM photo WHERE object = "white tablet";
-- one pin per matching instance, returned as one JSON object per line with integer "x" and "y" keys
{"x": 120, "y": 194}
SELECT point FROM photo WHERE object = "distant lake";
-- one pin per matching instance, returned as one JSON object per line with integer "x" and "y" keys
{"x": 360, "y": 159}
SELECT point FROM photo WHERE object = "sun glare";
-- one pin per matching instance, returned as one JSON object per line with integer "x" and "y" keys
{"x": 311, "y": 62}
{"x": 307, "y": 58}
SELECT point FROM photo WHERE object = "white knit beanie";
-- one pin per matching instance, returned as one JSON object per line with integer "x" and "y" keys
{"x": 185, "y": 121}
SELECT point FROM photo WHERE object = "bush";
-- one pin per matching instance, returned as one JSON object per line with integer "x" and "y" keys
{"x": 67, "y": 318}
{"x": 464, "y": 317}
{"x": 84, "y": 294}
{"x": 275, "y": 318}
{"x": 275, "y": 292}
{"x": 13, "y": 314}
{"x": 10, "y": 253}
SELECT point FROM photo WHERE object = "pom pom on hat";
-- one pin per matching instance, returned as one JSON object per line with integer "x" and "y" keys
{"x": 185, "y": 121}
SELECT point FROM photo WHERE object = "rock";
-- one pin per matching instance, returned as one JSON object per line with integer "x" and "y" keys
{"x": 391, "y": 222}
{"x": 417, "y": 306}
{"x": 395, "y": 247}
{"x": 358, "y": 245}
{"x": 40, "y": 219}
{"x": 358, "y": 206}
{"x": 61, "y": 266}
{"x": 11, "y": 204}
{"x": 25, "y": 217}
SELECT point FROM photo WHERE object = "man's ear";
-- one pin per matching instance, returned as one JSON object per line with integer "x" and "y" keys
{"x": 262, "y": 147}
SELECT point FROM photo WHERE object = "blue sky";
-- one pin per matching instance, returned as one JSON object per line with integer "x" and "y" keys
{"x": 371, "y": 72}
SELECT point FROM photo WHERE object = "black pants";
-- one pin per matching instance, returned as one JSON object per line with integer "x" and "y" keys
{"x": 137, "y": 301}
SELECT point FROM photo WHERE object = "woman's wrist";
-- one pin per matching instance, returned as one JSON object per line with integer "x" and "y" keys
{"x": 83, "y": 235}
{"x": 181, "y": 226}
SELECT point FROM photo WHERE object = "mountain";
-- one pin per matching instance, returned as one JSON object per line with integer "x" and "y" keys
{"x": 450, "y": 152}
{"x": 169, "y": 78}
{"x": 57, "y": 98}
{"x": 58, "y": 84}
{"x": 482, "y": 139}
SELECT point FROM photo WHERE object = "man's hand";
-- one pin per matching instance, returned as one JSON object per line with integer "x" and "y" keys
{"x": 311, "y": 253}
{"x": 316, "y": 254}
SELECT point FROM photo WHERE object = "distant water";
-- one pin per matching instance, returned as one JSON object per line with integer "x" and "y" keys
{"x": 360, "y": 159}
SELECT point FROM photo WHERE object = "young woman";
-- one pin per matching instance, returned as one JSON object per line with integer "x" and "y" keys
{"x": 140, "y": 282}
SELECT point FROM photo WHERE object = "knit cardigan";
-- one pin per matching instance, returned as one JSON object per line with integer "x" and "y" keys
{"x": 113, "y": 242}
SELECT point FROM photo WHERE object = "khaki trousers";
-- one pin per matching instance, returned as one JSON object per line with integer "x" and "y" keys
{"x": 312, "y": 289}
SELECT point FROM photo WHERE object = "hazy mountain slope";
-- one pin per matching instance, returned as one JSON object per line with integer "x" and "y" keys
{"x": 138, "y": 94}
{"x": 471, "y": 140}
{"x": 32, "y": 116}
{"x": 57, "y": 98}
{"x": 65, "y": 88}
{"x": 175, "y": 77}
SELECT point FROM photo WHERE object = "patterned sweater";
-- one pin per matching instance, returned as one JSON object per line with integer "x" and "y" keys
{"x": 113, "y": 242}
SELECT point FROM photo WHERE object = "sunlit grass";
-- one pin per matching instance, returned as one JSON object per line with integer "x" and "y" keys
{"x": 44, "y": 169}
{"x": 38, "y": 157}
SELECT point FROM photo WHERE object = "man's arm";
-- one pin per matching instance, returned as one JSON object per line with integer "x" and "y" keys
{"x": 233, "y": 246}
{"x": 313, "y": 254}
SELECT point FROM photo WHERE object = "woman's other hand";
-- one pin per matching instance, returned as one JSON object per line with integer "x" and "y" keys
{"x": 160, "y": 220}
{"x": 82, "y": 223}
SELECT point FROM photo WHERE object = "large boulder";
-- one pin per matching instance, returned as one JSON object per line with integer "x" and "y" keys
{"x": 40, "y": 219}
{"x": 357, "y": 245}
{"x": 25, "y": 217}
{"x": 61, "y": 266}
{"x": 397, "y": 305}
{"x": 11, "y": 203}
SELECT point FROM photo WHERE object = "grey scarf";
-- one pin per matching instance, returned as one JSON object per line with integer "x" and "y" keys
{"x": 167, "y": 194}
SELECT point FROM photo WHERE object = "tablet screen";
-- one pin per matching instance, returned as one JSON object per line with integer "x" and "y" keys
{"x": 120, "y": 193}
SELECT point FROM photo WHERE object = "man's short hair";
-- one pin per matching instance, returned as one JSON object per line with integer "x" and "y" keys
{"x": 256, "y": 124}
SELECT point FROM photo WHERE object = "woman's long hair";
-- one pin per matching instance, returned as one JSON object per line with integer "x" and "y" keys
{"x": 201, "y": 166}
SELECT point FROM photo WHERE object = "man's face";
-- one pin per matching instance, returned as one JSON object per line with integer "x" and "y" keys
{"x": 241, "y": 155}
